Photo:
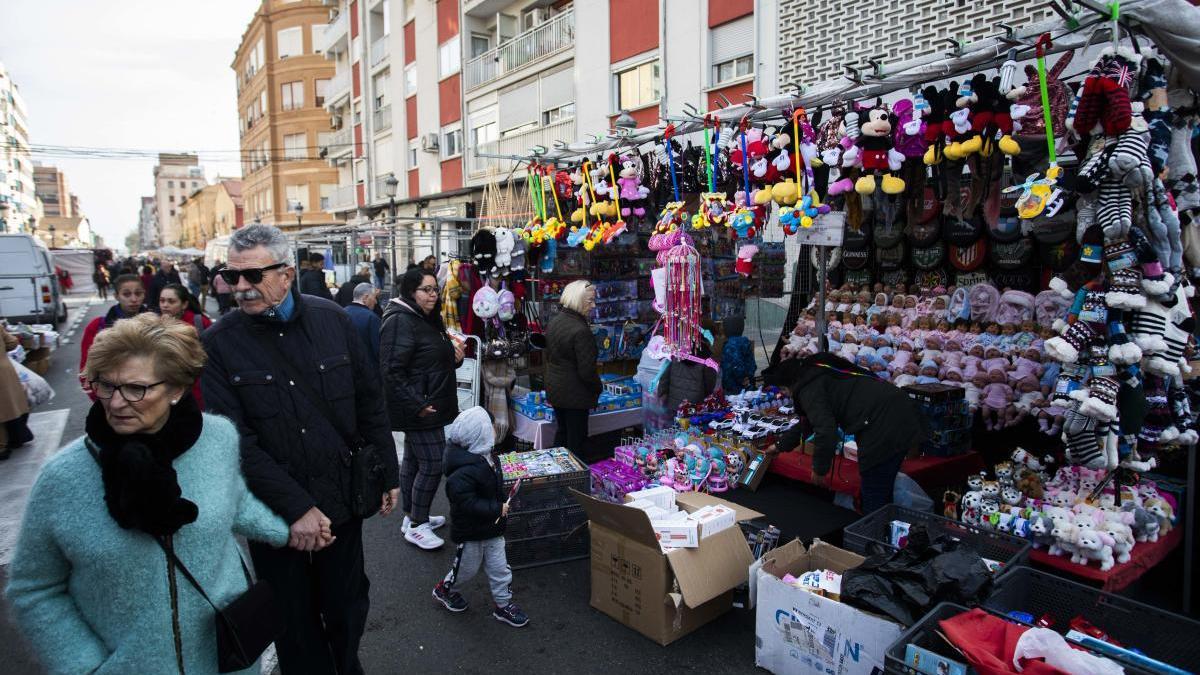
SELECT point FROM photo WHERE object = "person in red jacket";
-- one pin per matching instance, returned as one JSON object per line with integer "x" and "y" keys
{"x": 131, "y": 295}
{"x": 177, "y": 301}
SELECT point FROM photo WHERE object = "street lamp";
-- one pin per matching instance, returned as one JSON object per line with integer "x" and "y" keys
{"x": 389, "y": 187}
{"x": 625, "y": 121}
{"x": 52, "y": 234}
{"x": 299, "y": 209}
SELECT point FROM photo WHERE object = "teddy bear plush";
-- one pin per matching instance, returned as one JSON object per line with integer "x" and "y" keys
{"x": 1092, "y": 544}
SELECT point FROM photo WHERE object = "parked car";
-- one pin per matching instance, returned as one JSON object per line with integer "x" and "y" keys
{"x": 29, "y": 290}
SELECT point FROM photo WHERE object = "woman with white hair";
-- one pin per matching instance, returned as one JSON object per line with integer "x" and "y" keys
{"x": 572, "y": 383}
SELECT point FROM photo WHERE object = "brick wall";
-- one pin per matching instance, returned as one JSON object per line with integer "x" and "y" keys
{"x": 816, "y": 47}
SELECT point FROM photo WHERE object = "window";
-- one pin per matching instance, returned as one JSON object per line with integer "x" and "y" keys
{"x": 293, "y": 146}
{"x": 327, "y": 190}
{"x": 638, "y": 87}
{"x": 171, "y": 199}
{"x": 480, "y": 44}
{"x": 296, "y": 194}
{"x": 315, "y": 31}
{"x": 289, "y": 42}
{"x": 195, "y": 185}
{"x": 293, "y": 95}
{"x": 731, "y": 50}
{"x": 262, "y": 103}
{"x": 380, "y": 87}
{"x": 172, "y": 211}
{"x": 170, "y": 185}
{"x": 410, "y": 79}
{"x": 562, "y": 112}
{"x": 449, "y": 57}
{"x": 387, "y": 18}
{"x": 322, "y": 89}
{"x": 358, "y": 113}
{"x": 412, "y": 153}
{"x": 484, "y": 134}
{"x": 451, "y": 143}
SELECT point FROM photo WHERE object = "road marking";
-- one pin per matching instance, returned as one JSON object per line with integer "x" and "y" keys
{"x": 18, "y": 473}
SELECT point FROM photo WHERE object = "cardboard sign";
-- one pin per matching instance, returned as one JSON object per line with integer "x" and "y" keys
{"x": 827, "y": 230}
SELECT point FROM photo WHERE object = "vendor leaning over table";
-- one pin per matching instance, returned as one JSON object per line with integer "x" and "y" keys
{"x": 832, "y": 393}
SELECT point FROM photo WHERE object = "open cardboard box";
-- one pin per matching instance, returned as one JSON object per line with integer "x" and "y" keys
{"x": 797, "y": 631}
{"x": 663, "y": 596}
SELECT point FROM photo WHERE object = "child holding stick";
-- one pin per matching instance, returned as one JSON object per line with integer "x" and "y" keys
{"x": 478, "y": 511}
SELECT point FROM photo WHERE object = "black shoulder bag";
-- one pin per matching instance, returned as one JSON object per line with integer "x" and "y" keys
{"x": 245, "y": 627}
{"x": 367, "y": 473}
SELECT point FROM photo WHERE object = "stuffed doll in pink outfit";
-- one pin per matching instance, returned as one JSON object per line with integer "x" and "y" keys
{"x": 997, "y": 397}
{"x": 1029, "y": 396}
{"x": 952, "y": 375}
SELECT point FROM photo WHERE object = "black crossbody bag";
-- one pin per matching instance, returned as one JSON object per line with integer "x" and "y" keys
{"x": 367, "y": 472}
{"x": 245, "y": 627}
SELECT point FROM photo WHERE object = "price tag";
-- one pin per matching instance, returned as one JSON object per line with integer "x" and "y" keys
{"x": 826, "y": 230}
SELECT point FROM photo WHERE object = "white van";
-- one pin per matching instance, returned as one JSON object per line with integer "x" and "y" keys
{"x": 29, "y": 289}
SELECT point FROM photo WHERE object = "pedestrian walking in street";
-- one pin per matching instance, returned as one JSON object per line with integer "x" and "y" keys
{"x": 178, "y": 303}
{"x": 167, "y": 274}
{"x": 101, "y": 279}
{"x": 478, "y": 516}
{"x": 198, "y": 278}
{"x": 130, "y": 294}
{"x": 381, "y": 270}
{"x": 97, "y": 582}
{"x": 345, "y": 294}
{"x": 365, "y": 320}
{"x": 222, "y": 289}
{"x": 147, "y": 276}
{"x": 418, "y": 359}
{"x": 572, "y": 383}
{"x": 290, "y": 371}
{"x": 312, "y": 280}
{"x": 14, "y": 404}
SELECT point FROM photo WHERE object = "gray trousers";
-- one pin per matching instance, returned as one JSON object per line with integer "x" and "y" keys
{"x": 489, "y": 553}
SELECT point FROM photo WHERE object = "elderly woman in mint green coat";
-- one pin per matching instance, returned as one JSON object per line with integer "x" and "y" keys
{"x": 89, "y": 584}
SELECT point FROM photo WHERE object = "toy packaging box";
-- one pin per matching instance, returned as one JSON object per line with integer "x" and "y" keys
{"x": 663, "y": 596}
{"x": 797, "y": 631}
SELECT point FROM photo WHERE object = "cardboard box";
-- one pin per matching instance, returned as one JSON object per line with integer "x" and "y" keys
{"x": 663, "y": 596}
{"x": 797, "y": 631}
{"x": 661, "y": 496}
{"x": 712, "y": 519}
{"x": 676, "y": 534}
{"x": 640, "y": 504}
{"x": 755, "y": 471}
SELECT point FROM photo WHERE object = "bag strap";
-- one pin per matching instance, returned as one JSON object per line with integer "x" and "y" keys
{"x": 307, "y": 391}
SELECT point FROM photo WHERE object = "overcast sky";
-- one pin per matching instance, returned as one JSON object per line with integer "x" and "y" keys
{"x": 143, "y": 74}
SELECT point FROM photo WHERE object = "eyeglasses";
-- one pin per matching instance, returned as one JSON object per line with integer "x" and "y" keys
{"x": 432, "y": 290}
{"x": 129, "y": 391}
{"x": 254, "y": 275}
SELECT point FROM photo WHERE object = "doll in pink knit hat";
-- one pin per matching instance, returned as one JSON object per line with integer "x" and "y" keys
{"x": 907, "y": 376}
{"x": 997, "y": 396}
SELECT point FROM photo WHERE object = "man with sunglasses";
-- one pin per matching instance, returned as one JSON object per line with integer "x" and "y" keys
{"x": 291, "y": 371}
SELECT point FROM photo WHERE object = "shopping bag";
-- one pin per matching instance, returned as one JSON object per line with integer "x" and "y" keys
{"x": 37, "y": 389}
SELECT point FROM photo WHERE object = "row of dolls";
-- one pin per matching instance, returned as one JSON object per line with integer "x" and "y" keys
{"x": 886, "y": 307}
{"x": 1060, "y": 513}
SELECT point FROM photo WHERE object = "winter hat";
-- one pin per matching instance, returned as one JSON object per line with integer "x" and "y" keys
{"x": 1070, "y": 344}
{"x": 1120, "y": 255}
{"x": 1101, "y": 401}
{"x": 1121, "y": 349}
{"x": 928, "y": 363}
{"x": 901, "y": 359}
{"x": 1125, "y": 289}
{"x": 1087, "y": 267}
{"x": 472, "y": 429}
{"x": 947, "y": 370}
{"x": 1049, "y": 306}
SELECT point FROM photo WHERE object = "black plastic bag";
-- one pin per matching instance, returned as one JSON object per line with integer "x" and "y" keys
{"x": 907, "y": 583}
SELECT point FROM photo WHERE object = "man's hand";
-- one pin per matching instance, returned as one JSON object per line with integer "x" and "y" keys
{"x": 771, "y": 449}
{"x": 427, "y": 411}
{"x": 312, "y": 532}
{"x": 389, "y": 501}
{"x": 821, "y": 480}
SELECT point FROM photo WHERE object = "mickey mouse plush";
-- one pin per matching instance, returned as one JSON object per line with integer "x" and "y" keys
{"x": 877, "y": 153}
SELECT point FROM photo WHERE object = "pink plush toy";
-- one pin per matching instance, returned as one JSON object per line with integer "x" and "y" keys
{"x": 633, "y": 193}
{"x": 1092, "y": 544}
{"x": 997, "y": 397}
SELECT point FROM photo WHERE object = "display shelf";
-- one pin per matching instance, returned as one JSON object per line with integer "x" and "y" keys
{"x": 1144, "y": 556}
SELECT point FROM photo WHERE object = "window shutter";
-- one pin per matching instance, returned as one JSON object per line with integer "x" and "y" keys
{"x": 519, "y": 106}
{"x": 558, "y": 89}
{"x": 731, "y": 40}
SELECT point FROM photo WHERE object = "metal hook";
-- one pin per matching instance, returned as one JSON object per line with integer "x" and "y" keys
{"x": 957, "y": 44}
{"x": 753, "y": 102}
{"x": 726, "y": 100}
{"x": 876, "y": 62}
{"x": 560, "y": 145}
{"x": 798, "y": 87}
{"x": 855, "y": 76}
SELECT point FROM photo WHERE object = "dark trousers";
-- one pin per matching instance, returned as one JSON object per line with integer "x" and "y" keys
{"x": 324, "y": 599}
{"x": 421, "y": 471}
{"x": 878, "y": 483}
{"x": 572, "y": 429}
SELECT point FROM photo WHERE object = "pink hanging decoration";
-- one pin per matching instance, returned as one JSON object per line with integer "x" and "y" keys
{"x": 681, "y": 321}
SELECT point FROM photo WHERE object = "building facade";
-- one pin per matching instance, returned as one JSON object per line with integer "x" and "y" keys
{"x": 54, "y": 191}
{"x": 442, "y": 100}
{"x": 283, "y": 82}
{"x": 147, "y": 233}
{"x": 175, "y": 177}
{"x": 210, "y": 212}
{"x": 18, "y": 196}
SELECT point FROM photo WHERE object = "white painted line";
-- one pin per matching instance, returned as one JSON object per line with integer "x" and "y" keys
{"x": 18, "y": 473}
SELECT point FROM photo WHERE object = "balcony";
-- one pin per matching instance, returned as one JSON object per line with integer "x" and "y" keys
{"x": 517, "y": 144}
{"x": 379, "y": 51}
{"x": 533, "y": 45}
{"x": 336, "y": 37}
{"x": 344, "y": 198}
{"x": 339, "y": 88}
{"x": 341, "y": 142}
{"x": 382, "y": 119}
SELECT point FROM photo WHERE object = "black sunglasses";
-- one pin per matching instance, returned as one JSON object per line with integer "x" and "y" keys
{"x": 254, "y": 275}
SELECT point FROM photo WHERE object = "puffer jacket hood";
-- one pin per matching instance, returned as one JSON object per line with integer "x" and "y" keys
{"x": 472, "y": 429}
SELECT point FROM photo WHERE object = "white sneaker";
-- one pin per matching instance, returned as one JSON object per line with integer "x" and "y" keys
{"x": 434, "y": 523}
{"x": 423, "y": 537}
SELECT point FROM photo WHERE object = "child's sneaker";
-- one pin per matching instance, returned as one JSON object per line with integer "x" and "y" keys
{"x": 450, "y": 599}
{"x": 423, "y": 537}
{"x": 434, "y": 523}
{"x": 511, "y": 615}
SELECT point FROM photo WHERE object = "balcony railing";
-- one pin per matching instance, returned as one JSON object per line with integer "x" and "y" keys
{"x": 339, "y": 85}
{"x": 379, "y": 51}
{"x": 336, "y": 36}
{"x": 340, "y": 142}
{"x": 344, "y": 197}
{"x": 517, "y": 144}
{"x": 382, "y": 118}
{"x": 534, "y": 44}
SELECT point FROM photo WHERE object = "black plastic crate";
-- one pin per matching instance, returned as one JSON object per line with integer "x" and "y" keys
{"x": 876, "y": 527}
{"x": 549, "y": 549}
{"x": 545, "y": 492}
{"x": 544, "y": 522}
{"x": 923, "y": 633}
{"x": 1168, "y": 637}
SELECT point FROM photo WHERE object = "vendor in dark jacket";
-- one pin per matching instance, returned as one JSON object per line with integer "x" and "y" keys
{"x": 478, "y": 514}
{"x": 283, "y": 367}
{"x": 312, "y": 280}
{"x": 832, "y": 393}
{"x": 572, "y": 383}
{"x": 688, "y": 380}
{"x": 418, "y": 358}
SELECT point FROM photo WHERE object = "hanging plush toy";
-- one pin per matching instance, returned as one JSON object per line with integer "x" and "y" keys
{"x": 745, "y": 259}
{"x": 483, "y": 251}
{"x": 877, "y": 154}
{"x": 633, "y": 193}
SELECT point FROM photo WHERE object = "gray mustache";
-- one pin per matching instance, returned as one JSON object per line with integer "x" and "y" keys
{"x": 247, "y": 295}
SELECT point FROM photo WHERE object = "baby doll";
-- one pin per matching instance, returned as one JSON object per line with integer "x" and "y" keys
{"x": 1029, "y": 398}
{"x": 997, "y": 396}
{"x": 843, "y": 299}
{"x": 907, "y": 376}
{"x": 952, "y": 375}
{"x": 1027, "y": 334}
{"x": 933, "y": 348}
{"x": 952, "y": 357}
{"x": 893, "y": 325}
{"x": 990, "y": 335}
{"x": 1030, "y": 359}
{"x": 1051, "y": 415}
{"x": 928, "y": 373}
{"x": 898, "y": 302}
{"x": 910, "y": 306}
{"x": 879, "y": 306}
{"x": 861, "y": 302}
{"x": 883, "y": 347}
{"x": 974, "y": 384}
{"x": 1008, "y": 335}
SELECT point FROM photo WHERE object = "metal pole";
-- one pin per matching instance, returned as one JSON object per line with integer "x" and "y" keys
{"x": 391, "y": 242}
{"x": 1189, "y": 534}
{"x": 823, "y": 341}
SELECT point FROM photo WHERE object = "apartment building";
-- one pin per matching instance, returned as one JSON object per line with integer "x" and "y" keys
{"x": 210, "y": 212}
{"x": 53, "y": 189}
{"x": 148, "y": 225}
{"x": 435, "y": 94}
{"x": 175, "y": 177}
{"x": 19, "y": 207}
{"x": 283, "y": 82}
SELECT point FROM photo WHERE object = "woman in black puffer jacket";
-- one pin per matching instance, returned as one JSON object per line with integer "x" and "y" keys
{"x": 572, "y": 383}
{"x": 418, "y": 359}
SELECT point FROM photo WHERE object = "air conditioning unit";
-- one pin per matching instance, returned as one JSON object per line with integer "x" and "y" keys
{"x": 430, "y": 143}
{"x": 533, "y": 18}
{"x": 335, "y": 121}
